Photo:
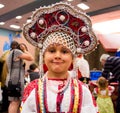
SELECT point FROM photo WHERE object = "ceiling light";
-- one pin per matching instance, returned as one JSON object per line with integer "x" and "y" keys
{"x": 15, "y": 26}
{"x": 69, "y": 0}
{"x": 1, "y": 5}
{"x": 2, "y": 23}
{"x": 18, "y": 17}
{"x": 107, "y": 26}
{"x": 29, "y": 20}
{"x": 83, "y": 6}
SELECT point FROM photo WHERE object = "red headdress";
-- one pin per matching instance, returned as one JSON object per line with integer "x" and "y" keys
{"x": 61, "y": 20}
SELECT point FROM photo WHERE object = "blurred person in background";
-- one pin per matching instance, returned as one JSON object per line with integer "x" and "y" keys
{"x": 83, "y": 69}
{"x": 4, "y": 72}
{"x": 18, "y": 54}
{"x": 104, "y": 92}
{"x": 33, "y": 71}
{"x": 111, "y": 71}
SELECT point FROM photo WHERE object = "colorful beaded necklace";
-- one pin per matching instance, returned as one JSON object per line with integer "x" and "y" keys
{"x": 75, "y": 100}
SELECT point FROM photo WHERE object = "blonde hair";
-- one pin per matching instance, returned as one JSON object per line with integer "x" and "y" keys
{"x": 102, "y": 82}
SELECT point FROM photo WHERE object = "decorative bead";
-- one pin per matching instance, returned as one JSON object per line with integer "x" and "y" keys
{"x": 86, "y": 43}
{"x": 78, "y": 50}
{"x": 41, "y": 21}
{"x": 62, "y": 17}
{"x": 84, "y": 29}
{"x": 40, "y": 45}
{"x": 33, "y": 35}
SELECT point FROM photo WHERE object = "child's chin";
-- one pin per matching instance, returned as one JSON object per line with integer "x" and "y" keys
{"x": 57, "y": 70}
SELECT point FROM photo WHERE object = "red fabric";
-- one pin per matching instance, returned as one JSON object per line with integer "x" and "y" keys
{"x": 59, "y": 98}
{"x": 45, "y": 68}
{"x": 29, "y": 88}
{"x": 79, "y": 74}
{"x": 94, "y": 101}
{"x": 93, "y": 84}
{"x": 71, "y": 67}
{"x": 50, "y": 20}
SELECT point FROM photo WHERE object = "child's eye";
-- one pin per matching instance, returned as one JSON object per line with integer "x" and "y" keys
{"x": 51, "y": 50}
{"x": 65, "y": 51}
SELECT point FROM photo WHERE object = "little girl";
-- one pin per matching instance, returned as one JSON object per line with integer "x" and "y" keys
{"x": 104, "y": 92}
{"x": 61, "y": 35}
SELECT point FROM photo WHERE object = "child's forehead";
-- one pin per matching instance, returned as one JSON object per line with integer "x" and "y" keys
{"x": 57, "y": 45}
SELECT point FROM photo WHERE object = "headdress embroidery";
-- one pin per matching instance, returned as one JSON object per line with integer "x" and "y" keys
{"x": 61, "y": 17}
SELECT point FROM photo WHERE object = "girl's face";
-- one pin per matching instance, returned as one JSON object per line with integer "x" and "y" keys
{"x": 58, "y": 58}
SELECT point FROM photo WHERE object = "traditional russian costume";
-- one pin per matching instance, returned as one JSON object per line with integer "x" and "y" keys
{"x": 57, "y": 96}
{"x": 61, "y": 24}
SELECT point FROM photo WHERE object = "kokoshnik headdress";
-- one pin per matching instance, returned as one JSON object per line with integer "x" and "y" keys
{"x": 60, "y": 23}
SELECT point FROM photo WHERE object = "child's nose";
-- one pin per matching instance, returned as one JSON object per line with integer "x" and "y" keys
{"x": 58, "y": 54}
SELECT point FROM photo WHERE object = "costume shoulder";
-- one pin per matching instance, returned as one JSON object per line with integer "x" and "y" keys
{"x": 32, "y": 85}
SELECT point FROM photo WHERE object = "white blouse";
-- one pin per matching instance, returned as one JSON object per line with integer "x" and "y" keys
{"x": 29, "y": 106}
